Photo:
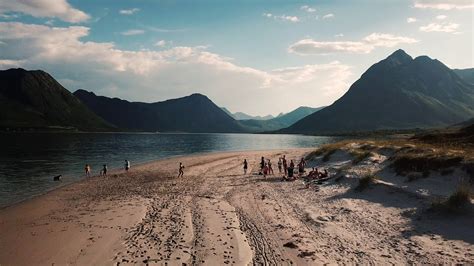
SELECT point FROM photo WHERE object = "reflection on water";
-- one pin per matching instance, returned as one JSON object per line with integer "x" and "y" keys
{"x": 28, "y": 161}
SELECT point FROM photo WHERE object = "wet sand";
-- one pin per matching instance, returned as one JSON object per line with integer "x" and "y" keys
{"x": 217, "y": 216}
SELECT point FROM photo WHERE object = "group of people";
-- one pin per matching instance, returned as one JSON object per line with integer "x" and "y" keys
{"x": 289, "y": 170}
{"x": 103, "y": 171}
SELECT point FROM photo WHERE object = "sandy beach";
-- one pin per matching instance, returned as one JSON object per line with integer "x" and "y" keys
{"x": 217, "y": 216}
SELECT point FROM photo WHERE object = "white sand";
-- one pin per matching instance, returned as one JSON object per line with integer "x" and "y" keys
{"x": 217, "y": 216}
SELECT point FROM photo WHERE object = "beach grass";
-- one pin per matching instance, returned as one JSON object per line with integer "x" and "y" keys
{"x": 365, "y": 182}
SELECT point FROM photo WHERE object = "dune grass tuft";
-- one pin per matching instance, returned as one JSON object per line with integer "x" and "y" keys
{"x": 359, "y": 156}
{"x": 366, "y": 181}
{"x": 457, "y": 201}
{"x": 423, "y": 162}
{"x": 326, "y": 150}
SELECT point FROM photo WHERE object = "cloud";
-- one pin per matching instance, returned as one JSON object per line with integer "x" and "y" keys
{"x": 327, "y": 16}
{"x": 282, "y": 17}
{"x": 308, "y": 9}
{"x": 132, "y": 32}
{"x": 129, "y": 11}
{"x": 411, "y": 20}
{"x": 366, "y": 45}
{"x": 339, "y": 35}
{"x": 444, "y": 4}
{"x": 45, "y": 9}
{"x": 162, "y": 43}
{"x": 150, "y": 75}
{"x": 440, "y": 27}
{"x": 441, "y": 17}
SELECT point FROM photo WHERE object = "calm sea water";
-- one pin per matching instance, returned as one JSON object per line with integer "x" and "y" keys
{"x": 28, "y": 161}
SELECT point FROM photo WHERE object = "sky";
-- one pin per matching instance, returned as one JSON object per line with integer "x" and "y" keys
{"x": 253, "y": 56}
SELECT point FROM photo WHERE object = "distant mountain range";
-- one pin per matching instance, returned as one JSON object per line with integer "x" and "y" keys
{"x": 244, "y": 116}
{"x": 194, "y": 113}
{"x": 398, "y": 92}
{"x": 34, "y": 100}
{"x": 279, "y": 122}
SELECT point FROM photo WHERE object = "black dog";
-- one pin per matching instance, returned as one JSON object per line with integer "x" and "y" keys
{"x": 57, "y": 178}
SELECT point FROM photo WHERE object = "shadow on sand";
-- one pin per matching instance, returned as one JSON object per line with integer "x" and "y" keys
{"x": 423, "y": 220}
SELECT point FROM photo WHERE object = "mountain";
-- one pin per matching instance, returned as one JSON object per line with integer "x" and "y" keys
{"x": 281, "y": 121}
{"x": 466, "y": 74}
{"x": 34, "y": 99}
{"x": 398, "y": 92}
{"x": 194, "y": 113}
{"x": 244, "y": 116}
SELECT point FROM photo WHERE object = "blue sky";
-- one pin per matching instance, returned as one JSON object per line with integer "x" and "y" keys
{"x": 258, "y": 57}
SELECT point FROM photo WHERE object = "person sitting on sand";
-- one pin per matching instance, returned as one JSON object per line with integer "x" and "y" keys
{"x": 314, "y": 174}
{"x": 181, "y": 170}
{"x": 270, "y": 168}
{"x": 324, "y": 174}
{"x": 87, "y": 168}
{"x": 245, "y": 166}
{"x": 279, "y": 165}
{"x": 104, "y": 170}
{"x": 127, "y": 165}
{"x": 285, "y": 166}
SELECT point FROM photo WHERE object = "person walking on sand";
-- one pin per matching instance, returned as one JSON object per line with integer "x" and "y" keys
{"x": 270, "y": 168}
{"x": 127, "y": 165}
{"x": 279, "y": 165}
{"x": 87, "y": 168}
{"x": 181, "y": 170}
{"x": 262, "y": 164}
{"x": 245, "y": 166}
{"x": 285, "y": 165}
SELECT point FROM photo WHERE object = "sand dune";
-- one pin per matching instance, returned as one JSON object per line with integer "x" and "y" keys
{"x": 217, "y": 216}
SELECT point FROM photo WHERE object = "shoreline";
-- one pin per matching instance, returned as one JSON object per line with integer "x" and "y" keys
{"x": 119, "y": 169}
{"x": 216, "y": 215}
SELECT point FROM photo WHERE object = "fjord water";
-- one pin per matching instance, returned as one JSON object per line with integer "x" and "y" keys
{"x": 28, "y": 161}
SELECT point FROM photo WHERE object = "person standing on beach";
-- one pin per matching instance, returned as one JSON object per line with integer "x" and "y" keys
{"x": 181, "y": 170}
{"x": 279, "y": 165}
{"x": 301, "y": 166}
{"x": 88, "y": 170}
{"x": 127, "y": 165}
{"x": 290, "y": 171}
{"x": 245, "y": 166}
{"x": 262, "y": 164}
{"x": 104, "y": 170}
{"x": 270, "y": 168}
{"x": 285, "y": 165}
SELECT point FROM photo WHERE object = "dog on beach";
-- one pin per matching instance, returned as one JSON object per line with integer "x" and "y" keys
{"x": 57, "y": 178}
